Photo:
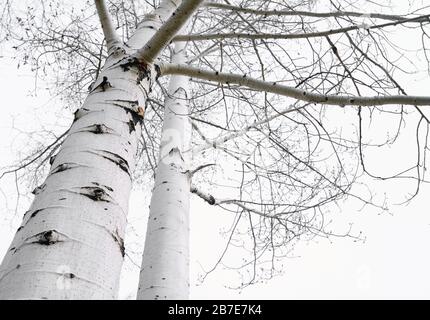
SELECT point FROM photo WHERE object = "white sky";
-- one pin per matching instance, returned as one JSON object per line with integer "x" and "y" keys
{"x": 393, "y": 262}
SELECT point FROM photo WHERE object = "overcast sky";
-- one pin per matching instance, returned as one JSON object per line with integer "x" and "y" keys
{"x": 393, "y": 262}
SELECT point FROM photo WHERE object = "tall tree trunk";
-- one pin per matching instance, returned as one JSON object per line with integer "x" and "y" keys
{"x": 165, "y": 265}
{"x": 70, "y": 244}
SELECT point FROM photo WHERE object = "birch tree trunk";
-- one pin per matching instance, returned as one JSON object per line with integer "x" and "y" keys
{"x": 70, "y": 244}
{"x": 165, "y": 266}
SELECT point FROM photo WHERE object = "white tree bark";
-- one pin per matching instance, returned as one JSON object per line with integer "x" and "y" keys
{"x": 70, "y": 244}
{"x": 168, "y": 30}
{"x": 165, "y": 266}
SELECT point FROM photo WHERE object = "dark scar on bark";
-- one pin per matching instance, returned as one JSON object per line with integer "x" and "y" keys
{"x": 142, "y": 69}
{"x": 95, "y": 193}
{"x": 211, "y": 200}
{"x": 120, "y": 242}
{"x": 135, "y": 117}
{"x": 131, "y": 126}
{"x": 98, "y": 129}
{"x": 52, "y": 159}
{"x": 98, "y": 184}
{"x": 117, "y": 159}
{"x": 79, "y": 113}
{"x": 47, "y": 238}
{"x": 35, "y": 212}
{"x": 134, "y": 114}
{"x": 157, "y": 71}
{"x": 38, "y": 189}
{"x": 63, "y": 167}
{"x": 105, "y": 84}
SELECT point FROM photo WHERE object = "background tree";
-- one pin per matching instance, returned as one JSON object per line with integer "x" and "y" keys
{"x": 267, "y": 82}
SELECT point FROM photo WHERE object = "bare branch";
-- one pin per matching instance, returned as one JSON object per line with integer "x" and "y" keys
{"x": 274, "y": 87}
{"x": 111, "y": 37}
{"x": 169, "y": 29}
{"x": 234, "y": 35}
{"x": 219, "y": 141}
{"x": 302, "y": 13}
{"x": 205, "y": 196}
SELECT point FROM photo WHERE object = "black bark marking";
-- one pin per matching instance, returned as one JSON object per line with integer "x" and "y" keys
{"x": 131, "y": 126}
{"x": 131, "y": 107}
{"x": 157, "y": 71}
{"x": 63, "y": 167}
{"x": 120, "y": 242}
{"x": 98, "y": 129}
{"x": 117, "y": 159}
{"x": 132, "y": 103}
{"x": 35, "y": 212}
{"x": 102, "y": 185}
{"x": 105, "y": 84}
{"x": 52, "y": 159}
{"x": 79, "y": 113}
{"x": 95, "y": 193}
{"x": 47, "y": 238}
{"x": 135, "y": 116}
{"x": 176, "y": 150}
{"x": 62, "y": 199}
{"x": 38, "y": 189}
{"x": 211, "y": 200}
{"x": 142, "y": 68}
{"x": 19, "y": 229}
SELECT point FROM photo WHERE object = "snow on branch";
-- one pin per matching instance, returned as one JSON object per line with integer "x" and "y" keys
{"x": 307, "y": 35}
{"x": 110, "y": 35}
{"x": 274, "y": 87}
{"x": 303, "y": 13}
{"x": 167, "y": 31}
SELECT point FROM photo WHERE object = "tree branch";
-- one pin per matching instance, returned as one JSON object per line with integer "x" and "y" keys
{"x": 303, "y": 13}
{"x": 219, "y": 141}
{"x": 167, "y": 31}
{"x": 205, "y": 196}
{"x": 274, "y": 87}
{"x": 110, "y": 35}
{"x": 233, "y": 35}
